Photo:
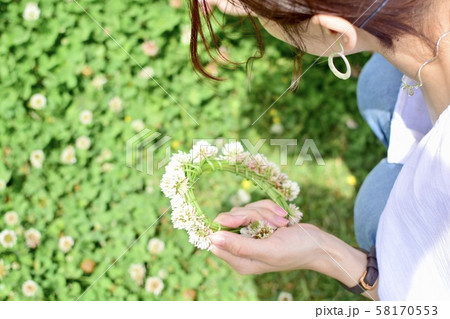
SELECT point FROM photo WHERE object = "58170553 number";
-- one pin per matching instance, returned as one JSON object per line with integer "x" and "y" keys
{"x": 406, "y": 310}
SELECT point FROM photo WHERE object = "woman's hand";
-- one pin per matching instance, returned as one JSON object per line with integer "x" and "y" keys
{"x": 293, "y": 247}
{"x": 300, "y": 246}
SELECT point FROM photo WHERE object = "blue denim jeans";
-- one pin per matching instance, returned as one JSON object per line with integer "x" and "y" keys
{"x": 378, "y": 87}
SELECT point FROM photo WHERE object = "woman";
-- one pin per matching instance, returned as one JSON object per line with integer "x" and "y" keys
{"x": 410, "y": 189}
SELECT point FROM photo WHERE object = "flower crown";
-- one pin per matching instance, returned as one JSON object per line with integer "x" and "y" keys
{"x": 184, "y": 170}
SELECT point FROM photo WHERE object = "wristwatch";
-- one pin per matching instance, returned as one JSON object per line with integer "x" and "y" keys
{"x": 369, "y": 278}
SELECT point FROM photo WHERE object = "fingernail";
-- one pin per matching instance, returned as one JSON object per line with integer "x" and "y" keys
{"x": 212, "y": 248}
{"x": 281, "y": 220}
{"x": 217, "y": 240}
{"x": 280, "y": 211}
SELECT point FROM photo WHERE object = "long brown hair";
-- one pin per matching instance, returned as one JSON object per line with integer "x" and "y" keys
{"x": 397, "y": 18}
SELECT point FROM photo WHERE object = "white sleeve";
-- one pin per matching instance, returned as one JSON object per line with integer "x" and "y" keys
{"x": 413, "y": 238}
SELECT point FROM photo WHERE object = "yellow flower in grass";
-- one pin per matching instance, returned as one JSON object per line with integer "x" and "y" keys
{"x": 246, "y": 184}
{"x": 276, "y": 120}
{"x": 175, "y": 144}
{"x": 351, "y": 180}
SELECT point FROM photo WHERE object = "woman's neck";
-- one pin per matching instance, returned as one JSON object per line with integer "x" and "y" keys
{"x": 411, "y": 53}
{"x": 435, "y": 76}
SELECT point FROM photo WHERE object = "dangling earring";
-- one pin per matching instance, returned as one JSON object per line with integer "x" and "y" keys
{"x": 336, "y": 72}
{"x": 411, "y": 87}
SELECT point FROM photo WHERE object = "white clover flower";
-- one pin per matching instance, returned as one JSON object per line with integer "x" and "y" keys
{"x": 178, "y": 160}
{"x": 290, "y": 190}
{"x": 2, "y": 184}
{"x": 257, "y": 163}
{"x": 285, "y": 296}
{"x": 240, "y": 198}
{"x": 146, "y": 73}
{"x": 174, "y": 183}
{"x": 199, "y": 237}
{"x": 258, "y": 229}
{"x": 233, "y": 152}
{"x": 277, "y": 128}
{"x": 68, "y": 155}
{"x": 154, "y": 285}
{"x": 202, "y": 150}
{"x": 115, "y": 104}
{"x": 31, "y": 12}
{"x": 351, "y": 124}
{"x": 186, "y": 35}
{"x": 149, "y": 188}
{"x": 8, "y": 238}
{"x": 176, "y": 3}
{"x": 184, "y": 215}
{"x": 86, "y": 117}
{"x": 232, "y": 149}
{"x": 275, "y": 172}
{"x": 297, "y": 215}
{"x": 105, "y": 155}
{"x": 29, "y": 288}
{"x": 138, "y": 125}
{"x": 224, "y": 56}
{"x": 107, "y": 167}
{"x": 66, "y": 243}
{"x": 32, "y": 238}
{"x": 37, "y": 158}
{"x": 99, "y": 81}
{"x": 11, "y": 218}
{"x": 155, "y": 246}
{"x": 38, "y": 101}
{"x": 83, "y": 143}
{"x": 150, "y": 48}
{"x": 137, "y": 273}
{"x": 212, "y": 69}
{"x": 163, "y": 274}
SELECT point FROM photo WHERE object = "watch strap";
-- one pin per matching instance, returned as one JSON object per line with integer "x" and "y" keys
{"x": 369, "y": 278}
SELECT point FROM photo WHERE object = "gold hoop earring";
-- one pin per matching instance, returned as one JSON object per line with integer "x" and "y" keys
{"x": 336, "y": 72}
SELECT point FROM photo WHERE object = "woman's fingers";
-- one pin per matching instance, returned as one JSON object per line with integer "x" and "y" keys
{"x": 246, "y": 215}
{"x": 232, "y": 221}
{"x": 240, "y": 246}
{"x": 243, "y": 266}
{"x": 268, "y": 204}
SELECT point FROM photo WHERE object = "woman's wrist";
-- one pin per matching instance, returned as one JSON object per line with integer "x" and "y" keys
{"x": 341, "y": 261}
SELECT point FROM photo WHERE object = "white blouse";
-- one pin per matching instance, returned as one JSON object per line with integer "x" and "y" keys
{"x": 413, "y": 237}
